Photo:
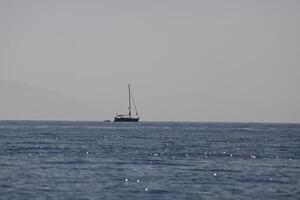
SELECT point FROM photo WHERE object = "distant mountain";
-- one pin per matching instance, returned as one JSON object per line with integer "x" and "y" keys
{"x": 19, "y": 101}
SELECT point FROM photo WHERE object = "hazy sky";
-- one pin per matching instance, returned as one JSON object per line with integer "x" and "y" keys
{"x": 187, "y": 60}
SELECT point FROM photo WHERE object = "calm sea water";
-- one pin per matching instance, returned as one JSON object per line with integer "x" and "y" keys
{"x": 95, "y": 160}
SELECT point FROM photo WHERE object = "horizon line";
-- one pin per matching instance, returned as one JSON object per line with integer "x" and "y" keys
{"x": 171, "y": 121}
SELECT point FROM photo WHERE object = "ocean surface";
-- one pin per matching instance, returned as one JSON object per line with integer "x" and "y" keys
{"x": 97, "y": 160}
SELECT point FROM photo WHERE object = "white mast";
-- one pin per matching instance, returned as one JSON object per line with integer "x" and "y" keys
{"x": 129, "y": 97}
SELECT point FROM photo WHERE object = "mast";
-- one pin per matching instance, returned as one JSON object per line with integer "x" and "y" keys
{"x": 129, "y": 98}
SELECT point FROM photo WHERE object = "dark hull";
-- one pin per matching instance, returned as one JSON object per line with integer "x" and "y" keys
{"x": 126, "y": 119}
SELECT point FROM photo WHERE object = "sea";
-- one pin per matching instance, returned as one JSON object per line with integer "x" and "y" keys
{"x": 148, "y": 160}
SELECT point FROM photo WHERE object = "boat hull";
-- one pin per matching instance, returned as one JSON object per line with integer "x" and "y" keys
{"x": 126, "y": 119}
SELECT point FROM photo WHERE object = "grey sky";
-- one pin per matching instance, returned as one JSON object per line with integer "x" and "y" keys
{"x": 187, "y": 60}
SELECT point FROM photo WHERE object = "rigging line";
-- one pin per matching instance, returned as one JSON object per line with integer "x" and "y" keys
{"x": 133, "y": 101}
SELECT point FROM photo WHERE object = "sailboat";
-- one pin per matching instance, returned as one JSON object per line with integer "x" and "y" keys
{"x": 128, "y": 117}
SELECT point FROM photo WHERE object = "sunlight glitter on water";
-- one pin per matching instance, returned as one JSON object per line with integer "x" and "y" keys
{"x": 143, "y": 161}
